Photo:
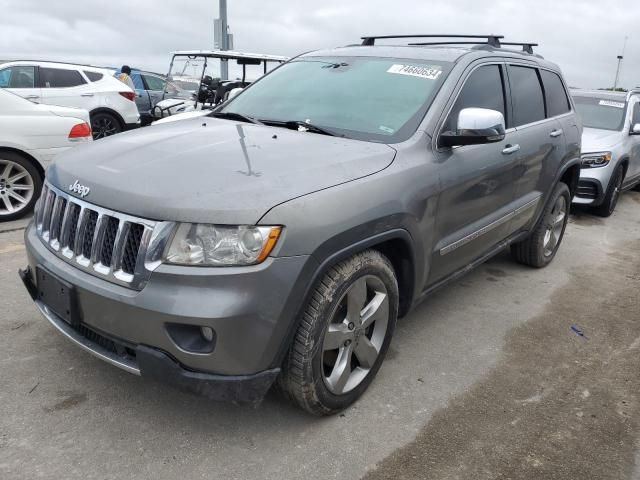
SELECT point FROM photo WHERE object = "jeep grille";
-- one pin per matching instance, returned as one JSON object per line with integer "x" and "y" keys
{"x": 104, "y": 243}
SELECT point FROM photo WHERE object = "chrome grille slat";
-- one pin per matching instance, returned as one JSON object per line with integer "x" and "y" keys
{"x": 95, "y": 239}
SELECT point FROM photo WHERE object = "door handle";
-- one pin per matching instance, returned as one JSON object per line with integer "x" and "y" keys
{"x": 556, "y": 133}
{"x": 31, "y": 97}
{"x": 87, "y": 95}
{"x": 511, "y": 149}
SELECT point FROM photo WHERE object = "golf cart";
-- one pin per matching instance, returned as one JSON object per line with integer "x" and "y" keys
{"x": 212, "y": 90}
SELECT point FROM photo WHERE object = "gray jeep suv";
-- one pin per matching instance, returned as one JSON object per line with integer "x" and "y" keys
{"x": 280, "y": 238}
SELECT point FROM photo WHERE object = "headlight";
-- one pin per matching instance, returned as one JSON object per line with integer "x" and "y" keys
{"x": 596, "y": 160}
{"x": 221, "y": 245}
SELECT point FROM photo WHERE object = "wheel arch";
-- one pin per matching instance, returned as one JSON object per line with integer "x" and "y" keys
{"x": 24, "y": 154}
{"x": 110, "y": 111}
{"x": 570, "y": 175}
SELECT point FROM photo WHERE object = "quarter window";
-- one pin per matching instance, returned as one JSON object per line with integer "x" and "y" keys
{"x": 483, "y": 89}
{"x": 59, "y": 78}
{"x": 93, "y": 76}
{"x": 526, "y": 94}
{"x": 555, "y": 94}
{"x": 18, "y": 77}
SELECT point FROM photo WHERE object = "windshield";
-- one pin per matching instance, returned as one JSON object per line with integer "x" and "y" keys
{"x": 602, "y": 113}
{"x": 374, "y": 99}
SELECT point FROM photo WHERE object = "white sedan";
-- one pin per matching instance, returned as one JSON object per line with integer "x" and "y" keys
{"x": 31, "y": 135}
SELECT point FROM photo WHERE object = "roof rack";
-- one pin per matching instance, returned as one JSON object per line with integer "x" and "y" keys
{"x": 526, "y": 47}
{"x": 493, "y": 40}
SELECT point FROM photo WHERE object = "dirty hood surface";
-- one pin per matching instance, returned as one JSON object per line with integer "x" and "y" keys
{"x": 212, "y": 170}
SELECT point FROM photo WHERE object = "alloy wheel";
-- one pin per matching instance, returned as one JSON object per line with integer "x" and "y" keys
{"x": 16, "y": 187}
{"x": 616, "y": 191}
{"x": 555, "y": 226}
{"x": 354, "y": 338}
{"x": 103, "y": 127}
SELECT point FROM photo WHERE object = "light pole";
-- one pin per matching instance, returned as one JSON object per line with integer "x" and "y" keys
{"x": 620, "y": 58}
{"x": 222, "y": 38}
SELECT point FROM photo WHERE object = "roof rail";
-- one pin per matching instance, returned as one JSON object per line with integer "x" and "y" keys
{"x": 493, "y": 40}
{"x": 526, "y": 47}
{"x": 633, "y": 91}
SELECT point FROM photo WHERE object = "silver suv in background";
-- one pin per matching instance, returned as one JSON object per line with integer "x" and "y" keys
{"x": 610, "y": 147}
{"x": 280, "y": 237}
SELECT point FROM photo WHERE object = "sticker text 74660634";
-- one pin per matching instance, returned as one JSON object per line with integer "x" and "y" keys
{"x": 428, "y": 72}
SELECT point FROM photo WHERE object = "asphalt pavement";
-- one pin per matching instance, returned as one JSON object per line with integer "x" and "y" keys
{"x": 510, "y": 373}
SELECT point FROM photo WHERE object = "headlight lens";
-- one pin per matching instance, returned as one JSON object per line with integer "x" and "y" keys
{"x": 221, "y": 245}
{"x": 596, "y": 160}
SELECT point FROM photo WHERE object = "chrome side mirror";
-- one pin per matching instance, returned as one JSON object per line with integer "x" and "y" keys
{"x": 476, "y": 126}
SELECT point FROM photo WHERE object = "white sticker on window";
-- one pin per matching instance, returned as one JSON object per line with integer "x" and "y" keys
{"x": 428, "y": 72}
{"x": 388, "y": 130}
{"x": 608, "y": 103}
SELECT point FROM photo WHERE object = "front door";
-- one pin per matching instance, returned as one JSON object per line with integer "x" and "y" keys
{"x": 21, "y": 80}
{"x": 65, "y": 87}
{"x": 475, "y": 204}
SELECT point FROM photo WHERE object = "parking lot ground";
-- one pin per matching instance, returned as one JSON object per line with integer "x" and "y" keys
{"x": 509, "y": 373}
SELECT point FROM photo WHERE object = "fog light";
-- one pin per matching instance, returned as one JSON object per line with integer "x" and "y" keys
{"x": 207, "y": 333}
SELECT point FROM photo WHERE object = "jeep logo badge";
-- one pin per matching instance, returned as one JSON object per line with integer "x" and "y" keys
{"x": 79, "y": 189}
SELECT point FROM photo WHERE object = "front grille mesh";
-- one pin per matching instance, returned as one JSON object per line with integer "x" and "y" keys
{"x": 99, "y": 241}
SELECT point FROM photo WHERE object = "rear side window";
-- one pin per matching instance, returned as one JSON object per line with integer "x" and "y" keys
{"x": 526, "y": 94}
{"x": 483, "y": 89}
{"x": 18, "y": 77}
{"x": 93, "y": 76}
{"x": 59, "y": 78}
{"x": 555, "y": 94}
{"x": 635, "y": 119}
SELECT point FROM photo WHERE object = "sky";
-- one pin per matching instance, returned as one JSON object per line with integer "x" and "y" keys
{"x": 582, "y": 36}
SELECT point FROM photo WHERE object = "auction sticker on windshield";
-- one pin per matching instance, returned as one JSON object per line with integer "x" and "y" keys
{"x": 608, "y": 103}
{"x": 429, "y": 72}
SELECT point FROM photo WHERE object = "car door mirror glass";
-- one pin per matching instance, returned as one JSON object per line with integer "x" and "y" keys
{"x": 475, "y": 126}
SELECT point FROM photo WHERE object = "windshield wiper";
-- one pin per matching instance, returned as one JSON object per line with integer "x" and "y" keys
{"x": 236, "y": 116}
{"x": 302, "y": 127}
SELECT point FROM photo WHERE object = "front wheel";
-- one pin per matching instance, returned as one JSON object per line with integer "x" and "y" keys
{"x": 343, "y": 335}
{"x": 612, "y": 196}
{"x": 540, "y": 248}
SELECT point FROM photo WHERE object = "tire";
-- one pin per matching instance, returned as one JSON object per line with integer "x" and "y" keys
{"x": 104, "y": 125}
{"x": 20, "y": 186}
{"x": 540, "y": 248}
{"x": 311, "y": 373}
{"x": 612, "y": 196}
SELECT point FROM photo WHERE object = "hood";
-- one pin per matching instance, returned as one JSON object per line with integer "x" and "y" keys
{"x": 182, "y": 116}
{"x": 212, "y": 170}
{"x": 597, "y": 140}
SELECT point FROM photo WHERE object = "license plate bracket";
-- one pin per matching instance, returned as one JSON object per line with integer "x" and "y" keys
{"x": 58, "y": 295}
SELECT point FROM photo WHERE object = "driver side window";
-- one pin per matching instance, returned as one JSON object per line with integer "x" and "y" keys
{"x": 484, "y": 88}
{"x": 635, "y": 117}
{"x": 18, "y": 77}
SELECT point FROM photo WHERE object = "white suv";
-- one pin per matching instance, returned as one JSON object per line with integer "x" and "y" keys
{"x": 110, "y": 102}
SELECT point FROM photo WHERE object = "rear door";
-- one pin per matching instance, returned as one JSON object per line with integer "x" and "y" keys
{"x": 21, "y": 80}
{"x": 65, "y": 87}
{"x": 540, "y": 136}
{"x": 478, "y": 187}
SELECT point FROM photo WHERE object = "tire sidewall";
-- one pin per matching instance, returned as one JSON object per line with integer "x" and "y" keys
{"x": 325, "y": 314}
{"x": 561, "y": 189}
{"x": 36, "y": 178}
{"x": 611, "y": 202}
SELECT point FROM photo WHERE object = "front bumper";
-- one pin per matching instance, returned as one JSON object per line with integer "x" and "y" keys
{"x": 251, "y": 310}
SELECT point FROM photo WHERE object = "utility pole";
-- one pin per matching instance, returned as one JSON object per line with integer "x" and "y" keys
{"x": 223, "y": 39}
{"x": 620, "y": 58}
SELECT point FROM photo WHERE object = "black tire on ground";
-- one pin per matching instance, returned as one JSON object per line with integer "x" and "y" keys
{"x": 310, "y": 376}
{"x": 104, "y": 125}
{"x": 34, "y": 182}
{"x": 540, "y": 248}
{"x": 612, "y": 196}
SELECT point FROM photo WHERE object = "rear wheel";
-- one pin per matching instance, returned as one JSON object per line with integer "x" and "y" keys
{"x": 540, "y": 248}
{"x": 20, "y": 186}
{"x": 612, "y": 196}
{"x": 343, "y": 336}
{"x": 104, "y": 125}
